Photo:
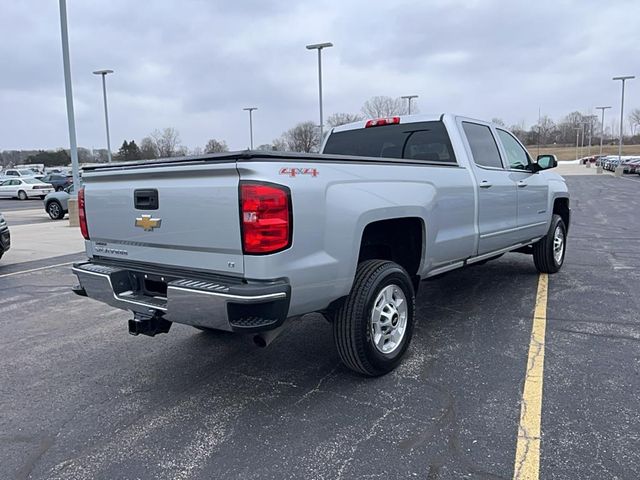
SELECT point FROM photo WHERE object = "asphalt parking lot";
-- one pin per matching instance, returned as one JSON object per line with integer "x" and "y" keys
{"x": 82, "y": 399}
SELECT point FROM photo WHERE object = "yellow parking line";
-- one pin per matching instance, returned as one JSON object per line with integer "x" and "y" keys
{"x": 527, "y": 462}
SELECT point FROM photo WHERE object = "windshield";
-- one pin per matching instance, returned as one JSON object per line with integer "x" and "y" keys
{"x": 26, "y": 172}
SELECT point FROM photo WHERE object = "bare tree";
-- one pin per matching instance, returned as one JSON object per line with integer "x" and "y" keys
{"x": 342, "y": 118}
{"x": 181, "y": 151}
{"x": 545, "y": 128}
{"x": 634, "y": 118}
{"x": 167, "y": 142}
{"x": 279, "y": 145}
{"x": 265, "y": 147}
{"x": 381, "y": 106}
{"x": 519, "y": 131}
{"x": 148, "y": 149}
{"x": 304, "y": 137}
{"x": 215, "y": 146}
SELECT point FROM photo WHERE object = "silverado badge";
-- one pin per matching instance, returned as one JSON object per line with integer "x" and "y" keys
{"x": 148, "y": 223}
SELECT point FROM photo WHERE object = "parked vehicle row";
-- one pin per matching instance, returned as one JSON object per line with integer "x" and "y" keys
{"x": 630, "y": 164}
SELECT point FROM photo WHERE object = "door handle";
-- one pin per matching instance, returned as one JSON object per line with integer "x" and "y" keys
{"x": 485, "y": 184}
{"x": 522, "y": 184}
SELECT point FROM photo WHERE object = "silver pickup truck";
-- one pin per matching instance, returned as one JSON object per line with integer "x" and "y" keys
{"x": 249, "y": 241}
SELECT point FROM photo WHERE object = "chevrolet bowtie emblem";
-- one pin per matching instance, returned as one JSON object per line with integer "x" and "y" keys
{"x": 148, "y": 223}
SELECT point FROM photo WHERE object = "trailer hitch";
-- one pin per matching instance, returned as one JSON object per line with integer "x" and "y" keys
{"x": 148, "y": 324}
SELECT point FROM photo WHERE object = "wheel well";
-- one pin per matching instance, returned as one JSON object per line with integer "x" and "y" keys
{"x": 398, "y": 240}
{"x": 561, "y": 207}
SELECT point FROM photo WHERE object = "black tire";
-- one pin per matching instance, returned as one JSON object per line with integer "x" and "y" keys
{"x": 55, "y": 211}
{"x": 22, "y": 195}
{"x": 59, "y": 188}
{"x": 351, "y": 321}
{"x": 543, "y": 249}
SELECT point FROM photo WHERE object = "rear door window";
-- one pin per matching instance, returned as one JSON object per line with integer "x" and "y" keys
{"x": 483, "y": 146}
{"x": 426, "y": 141}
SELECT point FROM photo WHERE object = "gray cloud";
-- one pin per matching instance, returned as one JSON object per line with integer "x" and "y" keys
{"x": 194, "y": 64}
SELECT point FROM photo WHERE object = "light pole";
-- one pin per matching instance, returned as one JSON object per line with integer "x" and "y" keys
{"x": 602, "y": 132}
{"x": 591, "y": 117}
{"x": 409, "y": 98}
{"x": 103, "y": 74}
{"x": 623, "y": 79}
{"x": 577, "y": 129}
{"x": 250, "y": 110}
{"x": 319, "y": 47}
{"x": 69, "y": 95}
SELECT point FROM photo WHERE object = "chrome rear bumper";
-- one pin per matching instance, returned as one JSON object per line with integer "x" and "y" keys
{"x": 230, "y": 306}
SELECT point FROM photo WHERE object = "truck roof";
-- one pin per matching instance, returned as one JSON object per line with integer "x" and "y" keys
{"x": 422, "y": 117}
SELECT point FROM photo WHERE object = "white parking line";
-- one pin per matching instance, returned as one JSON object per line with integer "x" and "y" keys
{"x": 35, "y": 269}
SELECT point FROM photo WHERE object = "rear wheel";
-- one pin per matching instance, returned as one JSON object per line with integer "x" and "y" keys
{"x": 55, "y": 211}
{"x": 548, "y": 252}
{"x": 372, "y": 329}
{"x": 22, "y": 195}
{"x": 59, "y": 189}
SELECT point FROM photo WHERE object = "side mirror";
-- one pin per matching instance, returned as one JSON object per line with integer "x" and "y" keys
{"x": 545, "y": 162}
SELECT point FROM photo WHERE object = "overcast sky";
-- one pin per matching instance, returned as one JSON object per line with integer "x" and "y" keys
{"x": 193, "y": 64}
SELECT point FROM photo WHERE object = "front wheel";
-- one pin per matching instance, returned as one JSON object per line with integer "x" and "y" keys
{"x": 55, "y": 211}
{"x": 372, "y": 328}
{"x": 548, "y": 252}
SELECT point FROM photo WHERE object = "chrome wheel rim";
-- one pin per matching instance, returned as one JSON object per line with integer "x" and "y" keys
{"x": 558, "y": 245}
{"x": 388, "y": 321}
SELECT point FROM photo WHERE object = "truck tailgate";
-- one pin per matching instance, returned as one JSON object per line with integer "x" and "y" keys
{"x": 192, "y": 223}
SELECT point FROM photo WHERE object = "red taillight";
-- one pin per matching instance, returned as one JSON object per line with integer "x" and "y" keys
{"x": 265, "y": 218}
{"x": 382, "y": 121}
{"x": 82, "y": 214}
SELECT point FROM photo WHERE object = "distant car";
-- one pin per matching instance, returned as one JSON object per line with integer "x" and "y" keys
{"x": 631, "y": 165}
{"x": 5, "y": 236}
{"x": 59, "y": 181}
{"x": 24, "y": 188}
{"x": 56, "y": 204}
{"x": 18, "y": 173}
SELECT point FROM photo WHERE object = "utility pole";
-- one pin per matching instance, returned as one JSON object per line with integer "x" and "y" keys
{"x": 409, "y": 98}
{"x": 577, "y": 129}
{"x": 590, "y": 133}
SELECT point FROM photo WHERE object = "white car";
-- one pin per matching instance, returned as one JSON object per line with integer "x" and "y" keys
{"x": 18, "y": 173}
{"x": 24, "y": 188}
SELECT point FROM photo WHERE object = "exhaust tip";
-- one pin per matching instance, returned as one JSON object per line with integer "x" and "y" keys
{"x": 260, "y": 341}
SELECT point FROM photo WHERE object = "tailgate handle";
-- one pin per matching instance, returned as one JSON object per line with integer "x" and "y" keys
{"x": 146, "y": 199}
